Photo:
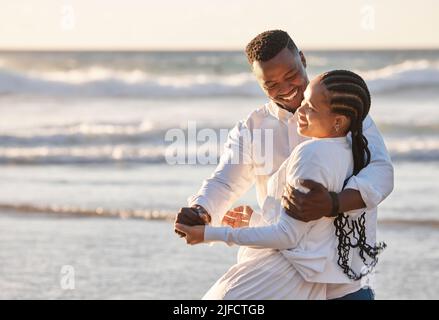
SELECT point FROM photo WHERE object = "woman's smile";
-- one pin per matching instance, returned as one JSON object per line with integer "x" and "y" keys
{"x": 302, "y": 121}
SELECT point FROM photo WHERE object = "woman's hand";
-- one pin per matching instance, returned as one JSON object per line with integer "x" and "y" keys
{"x": 238, "y": 217}
{"x": 193, "y": 234}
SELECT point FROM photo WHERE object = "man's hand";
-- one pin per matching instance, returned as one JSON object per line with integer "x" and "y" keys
{"x": 315, "y": 204}
{"x": 191, "y": 216}
{"x": 238, "y": 217}
{"x": 193, "y": 234}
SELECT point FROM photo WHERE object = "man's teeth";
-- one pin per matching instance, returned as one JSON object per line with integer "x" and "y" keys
{"x": 291, "y": 96}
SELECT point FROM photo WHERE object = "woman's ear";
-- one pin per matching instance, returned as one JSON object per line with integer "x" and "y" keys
{"x": 341, "y": 123}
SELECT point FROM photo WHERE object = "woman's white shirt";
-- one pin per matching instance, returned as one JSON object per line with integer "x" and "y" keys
{"x": 310, "y": 247}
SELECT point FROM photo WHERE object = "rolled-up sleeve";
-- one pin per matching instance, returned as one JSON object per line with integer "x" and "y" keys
{"x": 232, "y": 177}
{"x": 375, "y": 181}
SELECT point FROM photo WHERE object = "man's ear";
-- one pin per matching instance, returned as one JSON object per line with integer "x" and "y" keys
{"x": 302, "y": 58}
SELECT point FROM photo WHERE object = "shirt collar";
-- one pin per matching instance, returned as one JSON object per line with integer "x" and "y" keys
{"x": 343, "y": 139}
{"x": 279, "y": 113}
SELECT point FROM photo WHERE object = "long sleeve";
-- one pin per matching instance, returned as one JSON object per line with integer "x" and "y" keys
{"x": 285, "y": 234}
{"x": 375, "y": 181}
{"x": 232, "y": 177}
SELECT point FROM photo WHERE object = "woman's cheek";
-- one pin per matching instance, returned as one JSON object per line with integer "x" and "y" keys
{"x": 314, "y": 123}
{"x": 309, "y": 118}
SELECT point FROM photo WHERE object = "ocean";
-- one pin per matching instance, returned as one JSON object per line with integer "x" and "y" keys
{"x": 85, "y": 181}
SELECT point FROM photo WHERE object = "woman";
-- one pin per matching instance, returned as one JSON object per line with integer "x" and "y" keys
{"x": 287, "y": 258}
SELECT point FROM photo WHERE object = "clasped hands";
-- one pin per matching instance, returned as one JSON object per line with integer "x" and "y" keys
{"x": 313, "y": 205}
{"x": 190, "y": 224}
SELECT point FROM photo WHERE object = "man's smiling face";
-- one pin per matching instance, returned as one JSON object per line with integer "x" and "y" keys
{"x": 283, "y": 78}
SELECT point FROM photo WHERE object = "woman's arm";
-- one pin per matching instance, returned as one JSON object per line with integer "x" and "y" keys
{"x": 284, "y": 234}
{"x": 305, "y": 163}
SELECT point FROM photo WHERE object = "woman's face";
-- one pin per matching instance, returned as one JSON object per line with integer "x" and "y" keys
{"x": 315, "y": 118}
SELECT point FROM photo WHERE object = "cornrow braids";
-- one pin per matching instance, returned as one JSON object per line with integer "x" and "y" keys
{"x": 350, "y": 96}
{"x": 268, "y": 44}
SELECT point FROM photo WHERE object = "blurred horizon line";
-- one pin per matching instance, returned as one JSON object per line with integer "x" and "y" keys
{"x": 182, "y": 50}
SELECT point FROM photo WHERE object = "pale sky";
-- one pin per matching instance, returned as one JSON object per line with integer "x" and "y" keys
{"x": 216, "y": 24}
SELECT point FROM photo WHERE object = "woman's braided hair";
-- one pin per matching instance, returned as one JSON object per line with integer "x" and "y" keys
{"x": 350, "y": 96}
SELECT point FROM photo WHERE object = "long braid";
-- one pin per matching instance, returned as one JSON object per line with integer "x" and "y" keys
{"x": 350, "y": 97}
{"x": 360, "y": 149}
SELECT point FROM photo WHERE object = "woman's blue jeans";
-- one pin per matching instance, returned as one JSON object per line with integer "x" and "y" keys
{"x": 362, "y": 294}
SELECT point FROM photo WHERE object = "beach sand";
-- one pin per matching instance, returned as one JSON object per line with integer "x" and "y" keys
{"x": 143, "y": 259}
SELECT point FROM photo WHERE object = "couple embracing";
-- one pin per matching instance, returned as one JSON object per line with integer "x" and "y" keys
{"x": 314, "y": 236}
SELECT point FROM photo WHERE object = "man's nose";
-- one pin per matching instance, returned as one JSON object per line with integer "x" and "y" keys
{"x": 285, "y": 88}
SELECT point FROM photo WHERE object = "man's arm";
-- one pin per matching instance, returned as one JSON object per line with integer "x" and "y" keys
{"x": 365, "y": 190}
{"x": 375, "y": 181}
{"x": 232, "y": 177}
{"x": 350, "y": 199}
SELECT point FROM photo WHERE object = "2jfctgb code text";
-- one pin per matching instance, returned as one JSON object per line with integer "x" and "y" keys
{"x": 221, "y": 310}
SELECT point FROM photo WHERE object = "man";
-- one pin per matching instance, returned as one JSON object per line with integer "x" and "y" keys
{"x": 280, "y": 69}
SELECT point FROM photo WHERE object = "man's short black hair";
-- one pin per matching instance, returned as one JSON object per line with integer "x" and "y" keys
{"x": 268, "y": 44}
